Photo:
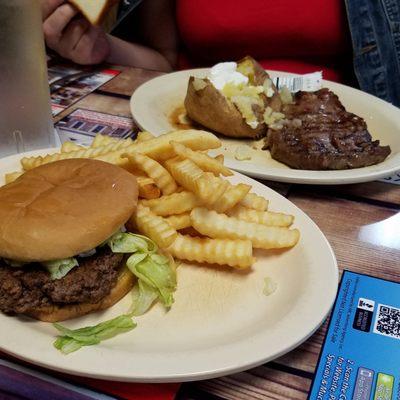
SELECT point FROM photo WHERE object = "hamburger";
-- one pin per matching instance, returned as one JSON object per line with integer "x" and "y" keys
{"x": 55, "y": 220}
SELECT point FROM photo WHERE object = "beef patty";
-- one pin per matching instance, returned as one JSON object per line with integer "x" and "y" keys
{"x": 29, "y": 287}
{"x": 319, "y": 134}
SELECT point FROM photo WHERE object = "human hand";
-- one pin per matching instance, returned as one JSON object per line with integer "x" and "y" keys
{"x": 71, "y": 35}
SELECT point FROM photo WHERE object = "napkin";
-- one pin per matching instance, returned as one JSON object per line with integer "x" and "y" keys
{"x": 19, "y": 380}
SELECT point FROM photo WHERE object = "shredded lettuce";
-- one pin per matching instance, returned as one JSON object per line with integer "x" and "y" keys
{"x": 59, "y": 268}
{"x": 150, "y": 267}
{"x": 270, "y": 286}
{"x": 153, "y": 269}
{"x": 156, "y": 275}
{"x": 143, "y": 296}
{"x": 122, "y": 242}
{"x": 73, "y": 339}
{"x": 56, "y": 268}
{"x": 13, "y": 263}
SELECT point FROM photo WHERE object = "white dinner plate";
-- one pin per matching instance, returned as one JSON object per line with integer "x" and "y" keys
{"x": 153, "y": 102}
{"x": 220, "y": 323}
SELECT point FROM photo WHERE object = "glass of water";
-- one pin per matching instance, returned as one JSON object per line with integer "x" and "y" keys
{"x": 25, "y": 113}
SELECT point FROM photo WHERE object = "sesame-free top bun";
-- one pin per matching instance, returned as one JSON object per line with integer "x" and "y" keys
{"x": 64, "y": 208}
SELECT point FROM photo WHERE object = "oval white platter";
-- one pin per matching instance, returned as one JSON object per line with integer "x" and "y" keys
{"x": 153, "y": 102}
{"x": 220, "y": 323}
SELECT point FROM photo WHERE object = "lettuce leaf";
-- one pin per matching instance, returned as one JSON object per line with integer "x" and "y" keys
{"x": 155, "y": 272}
{"x": 13, "y": 263}
{"x": 143, "y": 296}
{"x": 156, "y": 275}
{"x": 59, "y": 268}
{"x": 73, "y": 339}
{"x": 130, "y": 243}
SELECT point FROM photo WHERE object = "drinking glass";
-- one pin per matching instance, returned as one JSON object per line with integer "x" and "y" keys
{"x": 25, "y": 113}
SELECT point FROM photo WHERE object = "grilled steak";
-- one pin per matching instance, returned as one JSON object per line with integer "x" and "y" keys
{"x": 319, "y": 134}
{"x": 30, "y": 287}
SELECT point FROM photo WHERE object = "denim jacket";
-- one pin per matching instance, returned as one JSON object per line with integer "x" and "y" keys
{"x": 375, "y": 31}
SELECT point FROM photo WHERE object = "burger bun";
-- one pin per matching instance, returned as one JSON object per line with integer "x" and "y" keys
{"x": 64, "y": 208}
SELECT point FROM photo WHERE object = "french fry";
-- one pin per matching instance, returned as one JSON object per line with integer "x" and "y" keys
{"x": 160, "y": 148}
{"x": 210, "y": 188}
{"x": 254, "y": 202}
{"x": 203, "y": 161}
{"x": 103, "y": 140}
{"x": 147, "y": 188}
{"x": 110, "y": 150}
{"x": 12, "y": 176}
{"x": 157, "y": 148}
{"x": 219, "y": 158}
{"x": 176, "y": 203}
{"x": 235, "y": 253}
{"x": 144, "y": 136}
{"x": 154, "y": 170}
{"x": 67, "y": 147}
{"x": 186, "y": 173}
{"x": 233, "y": 195}
{"x": 170, "y": 162}
{"x": 153, "y": 226}
{"x": 215, "y": 225}
{"x": 31, "y": 162}
{"x": 261, "y": 217}
{"x": 116, "y": 159}
{"x": 180, "y": 221}
{"x": 205, "y": 185}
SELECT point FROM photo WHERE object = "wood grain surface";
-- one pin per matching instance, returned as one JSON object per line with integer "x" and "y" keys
{"x": 128, "y": 80}
{"x": 364, "y": 237}
{"x": 373, "y": 192}
{"x": 259, "y": 383}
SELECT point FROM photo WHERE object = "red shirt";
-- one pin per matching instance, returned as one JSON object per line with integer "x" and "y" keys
{"x": 285, "y": 35}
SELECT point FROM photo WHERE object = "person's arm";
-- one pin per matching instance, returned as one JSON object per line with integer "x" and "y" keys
{"x": 158, "y": 34}
{"x": 74, "y": 38}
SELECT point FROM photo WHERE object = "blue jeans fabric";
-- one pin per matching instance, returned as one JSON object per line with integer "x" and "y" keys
{"x": 375, "y": 32}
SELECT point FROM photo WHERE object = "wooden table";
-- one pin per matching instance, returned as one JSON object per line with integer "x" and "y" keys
{"x": 340, "y": 212}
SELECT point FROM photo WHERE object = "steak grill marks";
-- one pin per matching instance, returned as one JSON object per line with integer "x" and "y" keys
{"x": 319, "y": 134}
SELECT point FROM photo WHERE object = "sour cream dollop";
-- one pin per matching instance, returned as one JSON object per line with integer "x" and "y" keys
{"x": 224, "y": 73}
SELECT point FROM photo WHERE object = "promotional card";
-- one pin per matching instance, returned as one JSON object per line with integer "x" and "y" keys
{"x": 361, "y": 353}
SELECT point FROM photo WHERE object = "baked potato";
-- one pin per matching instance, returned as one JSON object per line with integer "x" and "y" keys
{"x": 242, "y": 110}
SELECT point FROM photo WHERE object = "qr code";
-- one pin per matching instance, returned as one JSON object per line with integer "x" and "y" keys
{"x": 387, "y": 321}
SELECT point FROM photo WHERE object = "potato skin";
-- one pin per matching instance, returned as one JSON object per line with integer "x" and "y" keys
{"x": 259, "y": 72}
{"x": 211, "y": 109}
{"x": 258, "y": 79}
